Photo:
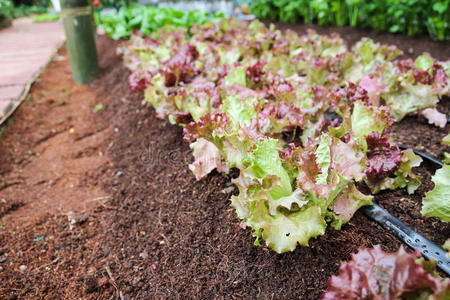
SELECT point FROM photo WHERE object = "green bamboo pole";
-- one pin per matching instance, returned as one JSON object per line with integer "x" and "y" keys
{"x": 77, "y": 18}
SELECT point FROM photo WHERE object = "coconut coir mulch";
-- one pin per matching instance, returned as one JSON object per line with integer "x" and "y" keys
{"x": 156, "y": 232}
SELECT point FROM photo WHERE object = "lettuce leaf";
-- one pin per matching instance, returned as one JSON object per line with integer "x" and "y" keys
{"x": 207, "y": 158}
{"x": 349, "y": 201}
{"x": 323, "y": 159}
{"x": 446, "y": 246}
{"x": 375, "y": 274}
{"x": 367, "y": 119}
{"x": 437, "y": 201}
{"x": 264, "y": 160}
{"x": 240, "y": 111}
{"x": 236, "y": 75}
{"x": 383, "y": 158}
{"x": 266, "y": 201}
{"x": 435, "y": 117}
{"x": 283, "y": 232}
{"x": 410, "y": 98}
{"x": 446, "y": 140}
{"x": 402, "y": 177}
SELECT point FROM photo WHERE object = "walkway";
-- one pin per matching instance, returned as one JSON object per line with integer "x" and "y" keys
{"x": 25, "y": 48}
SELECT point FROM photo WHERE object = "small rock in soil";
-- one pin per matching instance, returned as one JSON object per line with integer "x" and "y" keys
{"x": 227, "y": 190}
{"x": 91, "y": 271}
{"x": 90, "y": 284}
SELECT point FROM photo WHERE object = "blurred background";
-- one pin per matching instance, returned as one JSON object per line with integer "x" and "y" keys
{"x": 410, "y": 17}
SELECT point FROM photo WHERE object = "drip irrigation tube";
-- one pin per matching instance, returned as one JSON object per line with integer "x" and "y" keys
{"x": 406, "y": 234}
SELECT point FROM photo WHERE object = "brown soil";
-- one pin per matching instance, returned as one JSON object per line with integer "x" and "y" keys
{"x": 162, "y": 234}
{"x": 51, "y": 147}
{"x": 53, "y": 160}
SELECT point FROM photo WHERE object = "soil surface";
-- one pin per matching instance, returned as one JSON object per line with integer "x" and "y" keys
{"x": 123, "y": 216}
{"x": 51, "y": 146}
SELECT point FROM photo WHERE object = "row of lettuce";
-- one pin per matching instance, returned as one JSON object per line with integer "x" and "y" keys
{"x": 411, "y": 17}
{"x": 305, "y": 120}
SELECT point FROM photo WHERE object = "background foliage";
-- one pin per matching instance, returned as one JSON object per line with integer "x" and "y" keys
{"x": 6, "y": 7}
{"x": 22, "y": 8}
{"x": 147, "y": 19}
{"x": 411, "y": 17}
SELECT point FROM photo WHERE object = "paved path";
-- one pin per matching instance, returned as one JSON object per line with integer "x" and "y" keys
{"x": 25, "y": 48}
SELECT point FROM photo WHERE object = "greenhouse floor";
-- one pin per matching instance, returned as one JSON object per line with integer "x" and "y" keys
{"x": 26, "y": 47}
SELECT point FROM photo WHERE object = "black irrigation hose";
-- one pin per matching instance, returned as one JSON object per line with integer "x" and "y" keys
{"x": 409, "y": 236}
{"x": 406, "y": 234}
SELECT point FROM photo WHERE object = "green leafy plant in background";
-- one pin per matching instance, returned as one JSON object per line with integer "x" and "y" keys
{"x": 406, "y": 16}
{"x": 291, "y": 11}
{"x": 25, "y": 8}
{"x": 439, "y": 22}
{"x": 339, "y": 11}
{"x": 374, "y": 13}
{"x": 117, "y": 4}
{"x": 353, "y": 9}
{"x": 147, "y": 19}
{"x": 46, "y": 17}
{"x": 44, "y": 3}
{"x": 267, "y": 9}
{"x": 5, "y": 13}
{"x": 321, "y": 9}
{"x": 22, "y": 10}
{"x": 411, "y": 17}
{"x": 18, "y": 9}
{"x": 6, "y": 8}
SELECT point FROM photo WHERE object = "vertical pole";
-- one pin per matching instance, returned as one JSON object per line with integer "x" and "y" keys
{"x": 77, "y": 18}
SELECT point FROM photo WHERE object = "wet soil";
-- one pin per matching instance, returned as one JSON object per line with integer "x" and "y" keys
{"x": 154, "y": 232}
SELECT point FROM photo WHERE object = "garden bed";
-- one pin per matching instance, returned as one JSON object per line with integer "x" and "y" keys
{"x": 154, "y": 231}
